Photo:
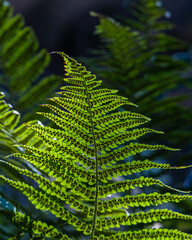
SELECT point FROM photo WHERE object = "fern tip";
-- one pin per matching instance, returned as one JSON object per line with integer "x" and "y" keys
{"x": 182, "y": 167}
{"x": 58, "y": 92}
{"x": 160, "y": 132}
{"x": 2, "y": 161}
{"x": 16, "y": 145}
{"x": 133, "y": 104}
{"x": 53, "y": 52}
{"x": 95, "y": 14}
{"x": 2, "y": 94}
{"x": 147, "y": 118}
{"x": 172, "y": 149}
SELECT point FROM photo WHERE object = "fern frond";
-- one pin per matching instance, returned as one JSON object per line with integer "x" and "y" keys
{"x": 65, "y": 136}
{"x": 11, "y": 132}
{"x": 80, "y": 111}
{"x": 130, "y": 168}
{"x": 140, "y": 217}
{"x": 101, "y": 92}
{"x": 42, "y": 164}
{"x": 74, "y": 89}
{"x": 65, "y": 124}
{"x": 20, "y": 59}
{"x": 114, "y": 117}
{"x": 121, "y": 138}
{"x": 44, "y": 202}
{"x": 102, "y": 110}
{"x": 104, "y": 99}
{"x": 135, "y": 58}
{"x": 127, "y": 151}
{"x": 39, "y": 229}
{"x": 79, "y": 182}
{"x": 64, "y": 143}
{"x": 76, "y": 96}
{"x": 149, "y": 233}
{"x": 140, "y": 200}
{"x": 10, "y": 119}
{"x": 58, "y": 161}
{"x": 116, "y": 127}
{"x": 125, "y": 185}
{"x": 56, "y": 190}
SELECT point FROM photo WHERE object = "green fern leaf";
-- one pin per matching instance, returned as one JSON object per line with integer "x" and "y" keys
{"x": 130, "y": 168}
{"x": 11, "y": 132}
{"x": 127, "y": 151}
{"x": 142, "y": 200}
{"x": 147, "y": 234}
{"x": 39, "y": 229}
{"x": 83, "y": 186}
{"x": 20, "y": 59}
{"x": 143, "y": 61}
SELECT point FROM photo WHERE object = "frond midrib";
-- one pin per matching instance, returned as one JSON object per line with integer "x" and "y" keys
{"x": 96, "y": 162}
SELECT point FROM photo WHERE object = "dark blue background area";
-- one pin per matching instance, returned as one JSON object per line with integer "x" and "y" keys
{"x": 66, "y": 24}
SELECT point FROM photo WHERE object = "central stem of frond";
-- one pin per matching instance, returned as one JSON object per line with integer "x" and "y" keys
{"x": 96, "y": 161}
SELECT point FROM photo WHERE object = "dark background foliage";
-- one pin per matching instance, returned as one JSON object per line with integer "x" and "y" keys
{"x": 66, "y": 25}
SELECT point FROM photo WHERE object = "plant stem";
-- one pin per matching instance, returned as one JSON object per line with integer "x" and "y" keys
{"x": 96, "y": 170}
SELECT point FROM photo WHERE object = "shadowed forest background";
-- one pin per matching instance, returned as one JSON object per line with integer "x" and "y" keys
{"x": 67, "y": 25}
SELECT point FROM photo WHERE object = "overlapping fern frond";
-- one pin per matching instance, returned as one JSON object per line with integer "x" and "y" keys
{"x": 21, "y": 59}
{"x": 137, "y": 57}
{"x": 22, "y": 79}
{"x": 84, "y": 184}
{"x": 12, "y": 133}
{"x": 28, "y": 224}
